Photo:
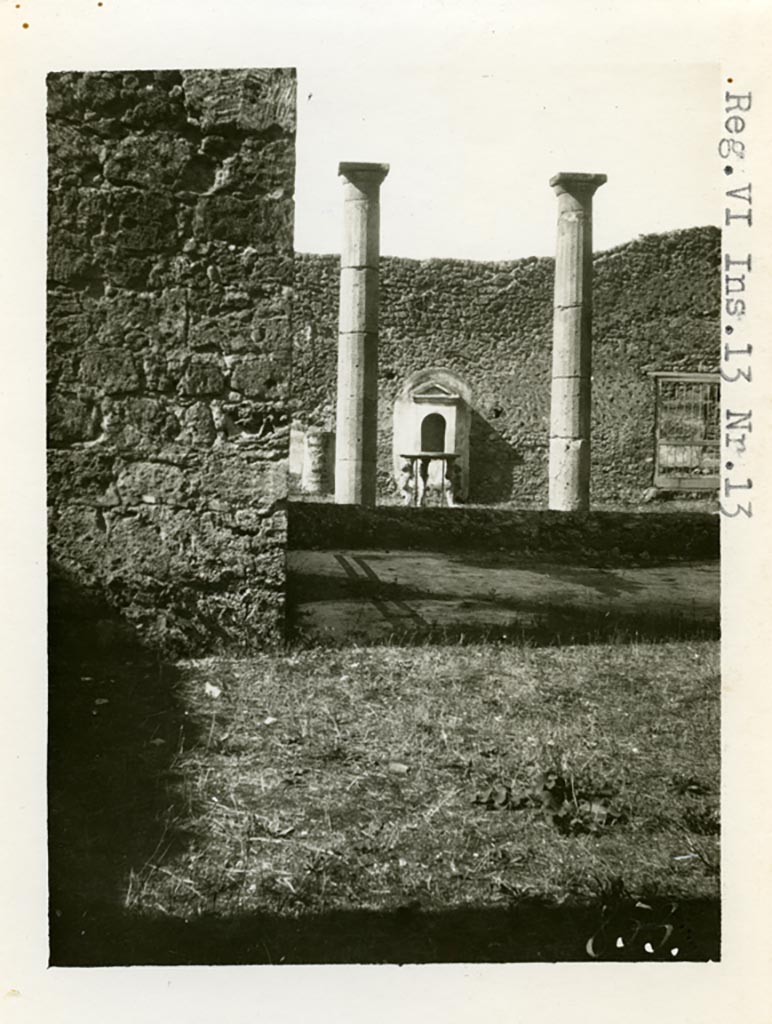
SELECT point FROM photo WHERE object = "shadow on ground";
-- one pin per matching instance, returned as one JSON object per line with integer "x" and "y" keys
{"x": 528, "y": 931}
{"x": 419, "y": 597}
{"x": 114, "y": 726}
{"x": 544, "y": 627}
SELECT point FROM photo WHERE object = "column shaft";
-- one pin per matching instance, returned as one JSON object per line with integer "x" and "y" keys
{"x": 357, "y": 409}
{"x": 571, "y": 399}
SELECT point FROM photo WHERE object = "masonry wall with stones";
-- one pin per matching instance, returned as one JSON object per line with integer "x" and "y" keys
{"x": 657, "y": 307}
{"x": 605, "y": 537}
{"x": 170, "y": 276}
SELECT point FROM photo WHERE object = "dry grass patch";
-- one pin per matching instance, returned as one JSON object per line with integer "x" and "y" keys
{"x": 440, "y": 776}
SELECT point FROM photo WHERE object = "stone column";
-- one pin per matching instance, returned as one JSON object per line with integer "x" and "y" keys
{"x": 569, "y": 466}
{"x": 313, "y": 462}
{"x": 357, "y": 413}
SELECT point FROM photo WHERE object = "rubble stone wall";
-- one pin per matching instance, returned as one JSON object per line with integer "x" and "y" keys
{"x": 170, "y": 281}
{"x": 603, "y": 538}
{"x": 656, "y": 307}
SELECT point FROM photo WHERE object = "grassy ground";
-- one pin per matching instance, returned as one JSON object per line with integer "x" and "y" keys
{"x": 439, "y": 777}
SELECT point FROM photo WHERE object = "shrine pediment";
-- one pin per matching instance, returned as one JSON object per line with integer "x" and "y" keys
{"x": 435, "y": 393}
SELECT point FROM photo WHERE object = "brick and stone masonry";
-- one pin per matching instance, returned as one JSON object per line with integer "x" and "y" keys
{"x": 170, "y": 280}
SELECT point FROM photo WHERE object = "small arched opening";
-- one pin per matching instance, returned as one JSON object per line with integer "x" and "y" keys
{"x": 433, "y": 433}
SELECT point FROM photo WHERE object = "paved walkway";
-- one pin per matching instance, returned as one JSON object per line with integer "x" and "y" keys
{"x": 373, "y": 595}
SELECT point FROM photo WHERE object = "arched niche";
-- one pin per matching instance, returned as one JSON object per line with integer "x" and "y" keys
{"x": 433, "y": 413}
{"x": 433, "y": 429}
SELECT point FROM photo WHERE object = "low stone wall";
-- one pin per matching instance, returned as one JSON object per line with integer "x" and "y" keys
{"x": 171, "y": 269}
{"x": 572, "y": 536}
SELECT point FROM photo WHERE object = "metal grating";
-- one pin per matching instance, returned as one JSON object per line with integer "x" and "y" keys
{"x": 686, "y": 431}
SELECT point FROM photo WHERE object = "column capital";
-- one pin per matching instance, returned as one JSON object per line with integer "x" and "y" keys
{"x": 363, "y": 175}
{"x": 577, "y": 184}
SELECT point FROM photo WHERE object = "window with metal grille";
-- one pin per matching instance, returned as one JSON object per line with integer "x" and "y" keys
{"x": 686, "y": 431}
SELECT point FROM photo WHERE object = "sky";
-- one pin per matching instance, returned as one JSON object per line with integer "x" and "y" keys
{"x": 472, "y": 149}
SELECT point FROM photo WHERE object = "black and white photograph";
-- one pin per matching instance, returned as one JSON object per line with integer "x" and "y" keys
{"x": 384, "y": 592}
{"x": 399, "y": 420}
